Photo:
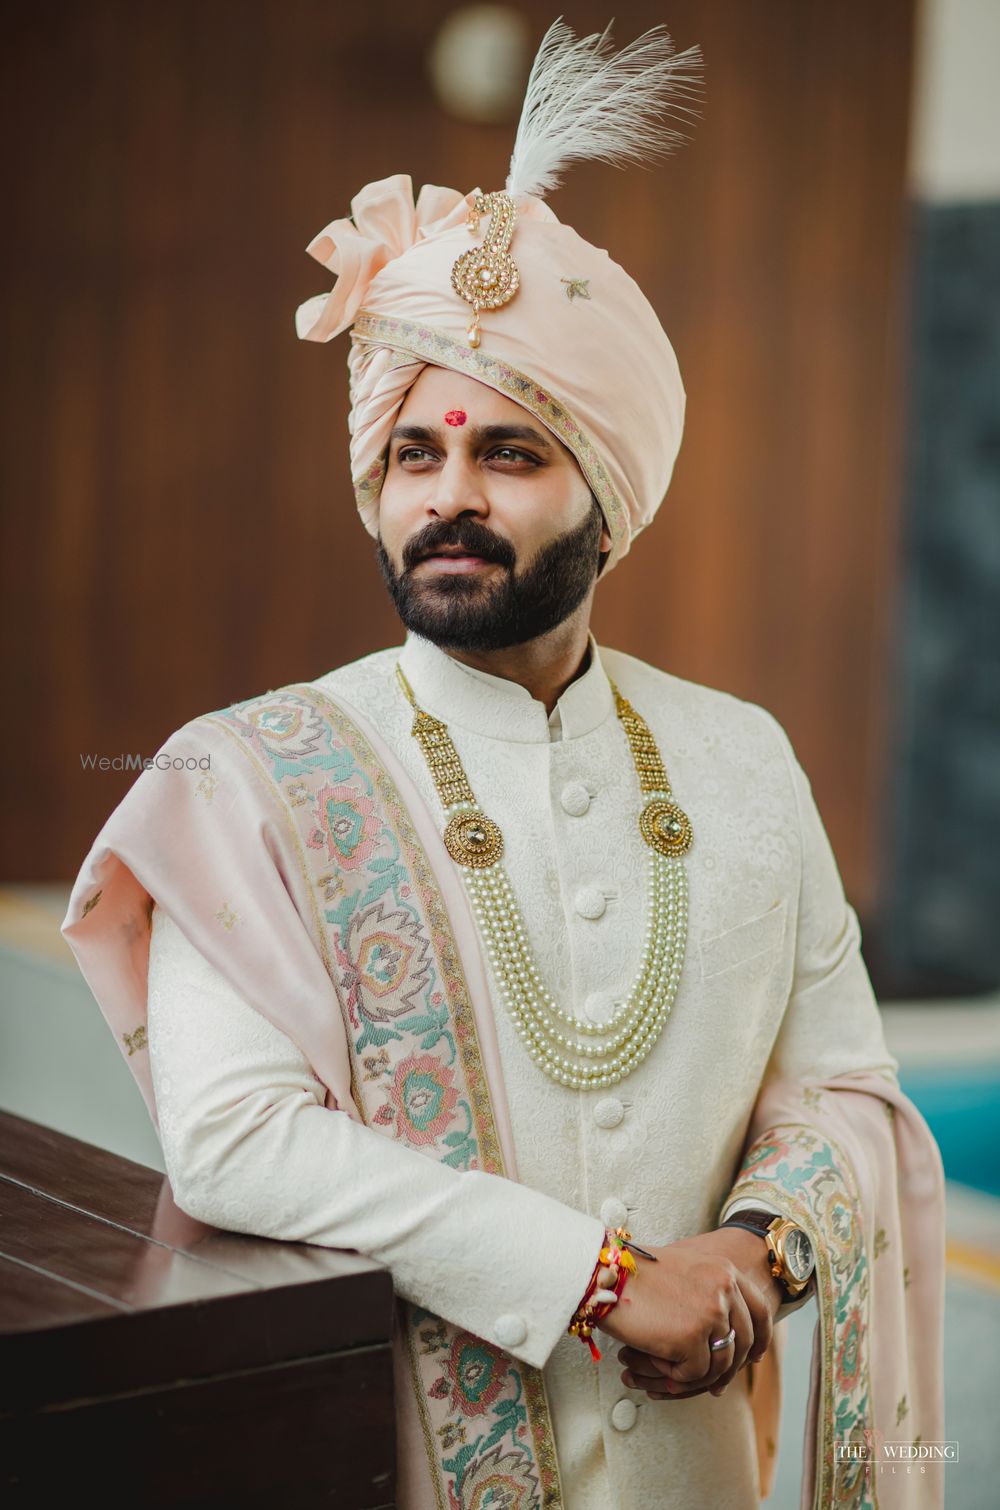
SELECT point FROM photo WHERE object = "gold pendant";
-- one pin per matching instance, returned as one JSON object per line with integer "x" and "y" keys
{"x": 473, "y": 839}
{"x": 666, "y": 827}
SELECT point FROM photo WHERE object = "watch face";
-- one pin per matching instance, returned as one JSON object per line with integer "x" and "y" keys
{"x": 799, "y": 1256}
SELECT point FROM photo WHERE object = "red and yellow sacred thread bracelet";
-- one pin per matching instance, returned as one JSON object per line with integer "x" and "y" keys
{"x": 597, "y": 1302}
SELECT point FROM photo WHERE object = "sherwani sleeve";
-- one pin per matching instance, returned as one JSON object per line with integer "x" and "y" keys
{"x": 831, "y": 1025}
{"x": 249, "y": 1146}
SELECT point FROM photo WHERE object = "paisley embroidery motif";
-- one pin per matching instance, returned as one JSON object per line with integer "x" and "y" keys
{"x": 421, "y": 1104}
{"x": 386, "y": 966}
{"x": 475, "y": 1374}
{"x": 346, "y": 825}
{"x": 279, "y": 729}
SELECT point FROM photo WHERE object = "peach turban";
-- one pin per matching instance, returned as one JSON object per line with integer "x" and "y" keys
{"x": 578, "y": 345}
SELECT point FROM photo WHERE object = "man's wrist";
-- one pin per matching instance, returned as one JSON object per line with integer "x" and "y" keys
{"x": 749, "y": 1252}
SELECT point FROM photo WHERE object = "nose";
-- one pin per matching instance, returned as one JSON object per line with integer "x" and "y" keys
{"x": 457, "y": 489}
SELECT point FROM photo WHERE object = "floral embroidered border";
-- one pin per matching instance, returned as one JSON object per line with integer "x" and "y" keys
{"x": 416, "y": 1068}
{"x": 431, "y": 345}
{"x": 801, "y": 1172}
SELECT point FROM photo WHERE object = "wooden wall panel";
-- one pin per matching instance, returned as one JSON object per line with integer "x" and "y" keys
{"x": 178, "y": 527}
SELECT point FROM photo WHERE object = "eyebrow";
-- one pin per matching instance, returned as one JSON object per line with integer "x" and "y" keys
{"x": 479, "y": 434}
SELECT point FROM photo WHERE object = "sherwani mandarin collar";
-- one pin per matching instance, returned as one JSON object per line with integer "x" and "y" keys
{"x": 497, "y": 708}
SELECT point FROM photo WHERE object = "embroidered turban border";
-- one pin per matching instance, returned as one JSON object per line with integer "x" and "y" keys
{"x": 429, "y": 345}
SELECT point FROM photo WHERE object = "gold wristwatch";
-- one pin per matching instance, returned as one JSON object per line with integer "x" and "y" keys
{"x": 793, "y": 1261}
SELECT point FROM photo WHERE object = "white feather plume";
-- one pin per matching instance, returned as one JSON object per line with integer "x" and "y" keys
{"x": 584, "y": 100}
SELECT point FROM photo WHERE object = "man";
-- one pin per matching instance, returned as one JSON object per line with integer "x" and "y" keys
{"x": 476, "y": 953}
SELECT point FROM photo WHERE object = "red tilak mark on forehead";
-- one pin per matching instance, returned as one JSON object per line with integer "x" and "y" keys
{"x": 455, "y": 417}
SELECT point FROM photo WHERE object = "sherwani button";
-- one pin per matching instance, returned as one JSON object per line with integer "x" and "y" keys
{"x": 608, "y": 1112}
{"x": 510, "y": 1330}
{"x": 598, "y": 1006}
{"x": 614, "y": 1212}
{"x": 575, "y": 799}
{"x": 591, "y": 902}
{"x": 623, "y": 1414}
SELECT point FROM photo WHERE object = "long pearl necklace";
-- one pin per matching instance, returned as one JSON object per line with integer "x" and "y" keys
{"x": 573, "y": 1051}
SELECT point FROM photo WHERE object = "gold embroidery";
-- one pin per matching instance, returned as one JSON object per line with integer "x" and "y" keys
{"x": 207, "y": 787}
{"x": 881, "y": 1242}
{"x": 811, "y": 1097}
{"x": 226, "y": 916}
{"x": 376, "y": 1064}
{"x": 92, "y": 903}
{"x": 332, "y": 886}
{"x": 135, "y": 1041}
{"x": 902, "y": 1410}
{"x": 906, "y": 1277}
{"x": 433, "y": 1337}
{"x": 576, "y": 288}
{"x": 451, "y": 1432}
{"x": 298, "y": 793}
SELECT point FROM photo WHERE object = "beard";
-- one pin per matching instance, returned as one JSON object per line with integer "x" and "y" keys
{"x": 476, "y": 611}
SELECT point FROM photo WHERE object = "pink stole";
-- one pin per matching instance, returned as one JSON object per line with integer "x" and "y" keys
{"x": 854, "y": 1163}
{"x": 295, "y": 852}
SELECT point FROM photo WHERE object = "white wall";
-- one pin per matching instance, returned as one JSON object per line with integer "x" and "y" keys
{"x": 955, "y": 132}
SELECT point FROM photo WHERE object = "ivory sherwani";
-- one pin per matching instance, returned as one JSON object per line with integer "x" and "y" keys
{"x": 773, "y": 991}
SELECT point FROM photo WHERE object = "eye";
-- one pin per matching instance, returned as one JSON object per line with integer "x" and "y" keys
{"x": 407, "y": 451}
{"x": 512, "y": 451}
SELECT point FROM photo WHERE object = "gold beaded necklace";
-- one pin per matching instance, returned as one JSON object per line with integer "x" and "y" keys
{"x": 602, "y": 1053}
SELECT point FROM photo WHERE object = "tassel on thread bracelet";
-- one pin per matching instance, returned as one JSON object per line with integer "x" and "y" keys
{"x": 615, "y": 1255}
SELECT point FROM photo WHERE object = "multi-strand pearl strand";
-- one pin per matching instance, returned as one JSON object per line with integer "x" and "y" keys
{"x": 610, "y": 1050}
{"x": 476, "y": 844}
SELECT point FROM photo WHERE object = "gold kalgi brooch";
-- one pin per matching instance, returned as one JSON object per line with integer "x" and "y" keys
{"x": 574, "y": 1051}
{"x": 486, "y": 277}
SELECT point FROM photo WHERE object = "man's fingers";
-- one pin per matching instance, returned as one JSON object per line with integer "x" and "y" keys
{"x": 741, "y": 1322}
{"x": 672, "y": 1379}
{"x": 763, "y": 1324}
{"x": 643, "y": 1366}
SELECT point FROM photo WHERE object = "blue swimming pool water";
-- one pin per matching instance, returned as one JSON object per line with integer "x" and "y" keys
{"x": 962, "y": 1108}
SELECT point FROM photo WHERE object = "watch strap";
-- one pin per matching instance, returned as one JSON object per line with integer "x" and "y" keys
{"x": 749, "y": 1226}
{"x": 755, "y": 1220}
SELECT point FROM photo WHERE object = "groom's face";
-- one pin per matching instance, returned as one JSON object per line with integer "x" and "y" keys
{"x": 489, "y": 534}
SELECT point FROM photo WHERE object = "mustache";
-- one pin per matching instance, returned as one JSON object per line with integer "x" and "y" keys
{"x": 467, "y": 535}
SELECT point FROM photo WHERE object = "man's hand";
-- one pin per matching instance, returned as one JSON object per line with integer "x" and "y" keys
{"x": 699, "y": 1289}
